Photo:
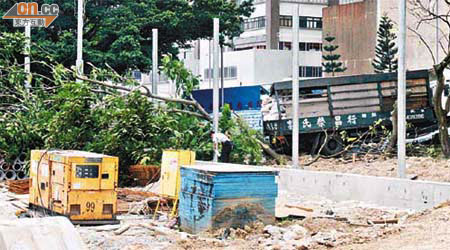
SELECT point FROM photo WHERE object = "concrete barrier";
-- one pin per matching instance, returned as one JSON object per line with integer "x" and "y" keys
{"x": 383, "y": 191}
{"x": 39, "y": 234}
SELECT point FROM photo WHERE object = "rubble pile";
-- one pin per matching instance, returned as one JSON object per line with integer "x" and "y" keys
{"x": 421, "y": 168}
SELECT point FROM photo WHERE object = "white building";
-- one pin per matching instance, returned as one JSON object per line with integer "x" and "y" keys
{"x": 261, "y": 54}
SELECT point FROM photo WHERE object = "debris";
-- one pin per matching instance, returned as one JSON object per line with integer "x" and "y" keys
{"x": 126, "y": 192}
{"x": 144, "y": 175}
{"x": 157, "y": 230}
{"x": 135, "y": 201}
{"x": 389, "y": 221}
{"x": 413, "y": 177}
{"x": 301, "y": 208}
{"x": 18, "y": 186}
{"x": 274, "y": 230}
{"x": 329, "y": 212}
{"x": 172, "y": 223}
{"x": 443, "y": 204}
{"x": 106, "y": 228}
{"x": 122, "y": 230}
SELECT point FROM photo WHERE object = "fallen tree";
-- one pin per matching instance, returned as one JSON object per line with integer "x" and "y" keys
{"x": 105, "y": 112}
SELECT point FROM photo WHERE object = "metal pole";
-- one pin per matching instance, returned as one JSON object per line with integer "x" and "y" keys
{"x": 221, "y": 75}
{"x": 209, "y": 64}
{"x": 216, "y": 83}
{"x": 295, "y": 98}
{"x": 155, "y": 62}
{"x": 79, "y": 62}
{"x": 401, "y": 98}
{"x": 27, "y": 54}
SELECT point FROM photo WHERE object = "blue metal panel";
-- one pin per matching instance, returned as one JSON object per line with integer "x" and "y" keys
{"x": 206, "y": 194}
{"x": 239, "y": 98}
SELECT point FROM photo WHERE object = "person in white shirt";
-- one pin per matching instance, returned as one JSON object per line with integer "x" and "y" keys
{"x": 227, "y": 145}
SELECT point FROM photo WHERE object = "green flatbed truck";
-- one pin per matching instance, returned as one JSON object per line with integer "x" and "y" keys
{"x": 347, "y": 103}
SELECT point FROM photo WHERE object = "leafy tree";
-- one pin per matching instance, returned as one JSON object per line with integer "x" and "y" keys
{"x": 119, "y": 32}
{"x": 225, "y": 121}
{"x": 87, "y": 116}
{"x": 185, "y": 81}
{"x": 245, "y": 140}
{"x": 385, "y": 50}
{"x": 332, "y": 64}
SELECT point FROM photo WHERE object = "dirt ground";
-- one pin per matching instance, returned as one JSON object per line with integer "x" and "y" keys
{"x": 325, "y": 225}
{"x": 423, "y": 168}
{"x": 303, "y": 222}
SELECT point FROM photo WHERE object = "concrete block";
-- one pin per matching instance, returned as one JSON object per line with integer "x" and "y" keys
{"x": 384, "y": 191}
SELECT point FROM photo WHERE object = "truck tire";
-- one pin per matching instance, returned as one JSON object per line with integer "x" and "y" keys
{"x": 333, "y": 146}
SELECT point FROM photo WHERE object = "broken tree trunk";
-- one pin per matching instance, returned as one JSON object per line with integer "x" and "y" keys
{"x": 441, "y": 113}
{"x": 394, "y": 135}
{"x": 202, "y": 112}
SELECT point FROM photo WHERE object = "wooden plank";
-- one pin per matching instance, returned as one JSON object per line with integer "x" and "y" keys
{"x": 388, "y": 84}
{"x": 356, "y": 103}
{"x": 414, "y": 82}
{"x": 310, "y": 110}
{"x": 368, "y": 94}
{"x": 411, "y": 90}
{"x": 353, "y": 86}
{"x": 311, "y": 101}
{"x": 356, "y": 110}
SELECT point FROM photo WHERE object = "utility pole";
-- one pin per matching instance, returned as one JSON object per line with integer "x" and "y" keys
{"x": 401, "y": 97}
{"x": 209, "y": 64}
{"x": 216, "y": 83}
{"x": 79, "y": 62}
{"x": 155, "y": 62}
{"x": 295, "y": 98}
{"x": 221, "y": 76}
{"x": 27, "y": 54}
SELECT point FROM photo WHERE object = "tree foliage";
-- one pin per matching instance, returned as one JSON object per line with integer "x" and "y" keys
{"x": 119, "y": 32}
{"x": 332, "y": 63}
{"x": 245, "y": 140}
{"x": 386, "y": 50}
{"x": 67, "y": 114}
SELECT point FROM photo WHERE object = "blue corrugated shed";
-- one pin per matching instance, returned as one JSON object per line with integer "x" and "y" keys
{"x": 215, "y": 195}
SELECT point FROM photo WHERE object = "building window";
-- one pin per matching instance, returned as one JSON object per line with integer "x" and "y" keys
{"x": 310, "y": 22}
{"x": 254, "y": 23}
{"x": 228, "y": 73}
{"x": 285, "y": 21}
{"x": 259, "y": 46}
{"x": 314, "y": 46}
{"x": 310, "y": 71}
{"x": 302, "y": 46}
{"x": 137, "y": 75}
{"x": 285, "y": 46}
{"x": 305, "y": 22}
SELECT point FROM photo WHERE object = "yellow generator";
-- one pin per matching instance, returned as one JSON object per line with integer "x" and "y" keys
{"x": 76, "y": 184}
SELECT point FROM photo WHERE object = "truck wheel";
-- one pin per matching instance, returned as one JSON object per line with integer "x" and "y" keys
{"x": 333, "y": 146}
